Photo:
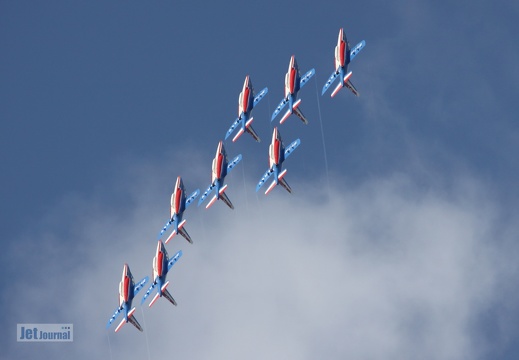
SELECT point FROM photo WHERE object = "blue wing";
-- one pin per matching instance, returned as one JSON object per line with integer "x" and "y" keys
{"x": 330, "y": 81}
{"x": 174, "y": 259}
{"x": 292, "y": 147}
{"x": 357, "y": 49}
{"x": 260, "y": 96}
{"x": 307, "y": 77}
{"x": 234, "y": 125}
{"x": 264, "y": 179}
{"x": 150, "y": 290}
{"x": 165, "y": 227}
{"x": 233, "y": 163}
{"x": 139, "y": 286}
{"x": 280, "y": 107}
{"x": 114, "y": 316}
{"x": 207, "y": 192}
{"x": 192, "y": 197}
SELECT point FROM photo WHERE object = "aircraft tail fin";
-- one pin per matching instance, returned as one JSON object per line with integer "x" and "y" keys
{"x": 168, "y": 296}
{"x": 183, "y": 232}
{"x": 298, "y": 112}
{"x": 226, "y": 200}
{"x": 352, "y": 88}
{"x": 250, "y": 130}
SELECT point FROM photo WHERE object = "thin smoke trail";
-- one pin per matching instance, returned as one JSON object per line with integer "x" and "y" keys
{"x": 322, "y": 136}
{"x": 109, "y": 345}
{"x": 146, "y": 334}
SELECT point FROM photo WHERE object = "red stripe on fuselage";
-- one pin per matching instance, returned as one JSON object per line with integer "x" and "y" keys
{"x": 178, "y": 197}
{"x": 245, "y": 100}
{"x": 342, "y": 54}
{"x": 126, "y": 288}
{"x": 160, "y": 258}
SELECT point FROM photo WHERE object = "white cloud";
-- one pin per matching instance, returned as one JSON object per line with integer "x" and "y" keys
{"x": 384, "y": 270}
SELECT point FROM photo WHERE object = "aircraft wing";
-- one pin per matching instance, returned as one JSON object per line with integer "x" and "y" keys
{"x": 260, "y": 96}
{"x": 265, "y": 178}
{"x": 233, "y": 163}
{"x": 150, "y": 290}
{"x": 206, "y": 193}
{"x": 330, "y": 81}
{"x": 139, "y": 286}
{"x": 192, "y": 197}
{"x": 280, "y": 107}
{"x": 165, "y": 228}
{"x": 114, "y": 316}
{"x": 174, "y": 259}
{"x": 234, "y": 125}
{"x": 357, "y": 49}
{"x": 292, "y": 147}
{"x": 307, "y": 77}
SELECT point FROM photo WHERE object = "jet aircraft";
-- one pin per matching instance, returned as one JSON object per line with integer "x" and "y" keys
{"x": 343, "y": 56}
{"x": 277, "y": 154}
{"x": 220, "y": 169}
{"x": 293, "y": 83}
{"x": 161, "y": 266}
{"x": 246, "y": 102}
{"x": 178, "y": 205}
{"x": 127, "y": 291}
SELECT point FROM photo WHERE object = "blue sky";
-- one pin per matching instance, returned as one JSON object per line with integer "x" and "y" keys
{"x": 410, "y": 251}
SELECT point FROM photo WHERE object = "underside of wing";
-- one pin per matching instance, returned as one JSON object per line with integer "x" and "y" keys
{"x": 192, "y": 197}
{"x": 306, "y": 77}
{"x": 174, "y": 259}
{"x": 280, "y": 107}
{"x": 260, "y": 96}
{"x": 264, "y": 179}
{"x": 330, "y": 81}
{"x": 206, "y": 193}
{"x": 357, "y": 49}
{"x": 114, "y": 316}
{"x": 233, "y": 163}
{"x": 234, "y": 125}
{"x": 148, "y": 292}
{"x": 139, "y": 286}
{"x": 291, "y": 148}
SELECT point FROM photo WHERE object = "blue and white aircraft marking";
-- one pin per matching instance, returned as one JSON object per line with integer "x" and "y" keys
{"x": 246, "y": 102}
{"x": 277, "y": 154}
{"x": 220, "y": 169}
{"x": 127, "y": 291}
{"x": 161, "y": 266}
{"x": 179, "y": 204}
{"x": 293, "y": 83}
{"x": 343, "y": 56}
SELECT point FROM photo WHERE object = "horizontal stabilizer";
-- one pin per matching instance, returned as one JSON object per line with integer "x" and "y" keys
{"x": 173, "y": 233}
{"x": 238, "y": 134}
{"x": 271, "y": 186}
{"x": 290, "y": 111}
{"x": 341, "y": 85}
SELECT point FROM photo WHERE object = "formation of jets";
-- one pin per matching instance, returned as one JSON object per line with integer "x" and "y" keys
{"x": 221, "y": 167}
